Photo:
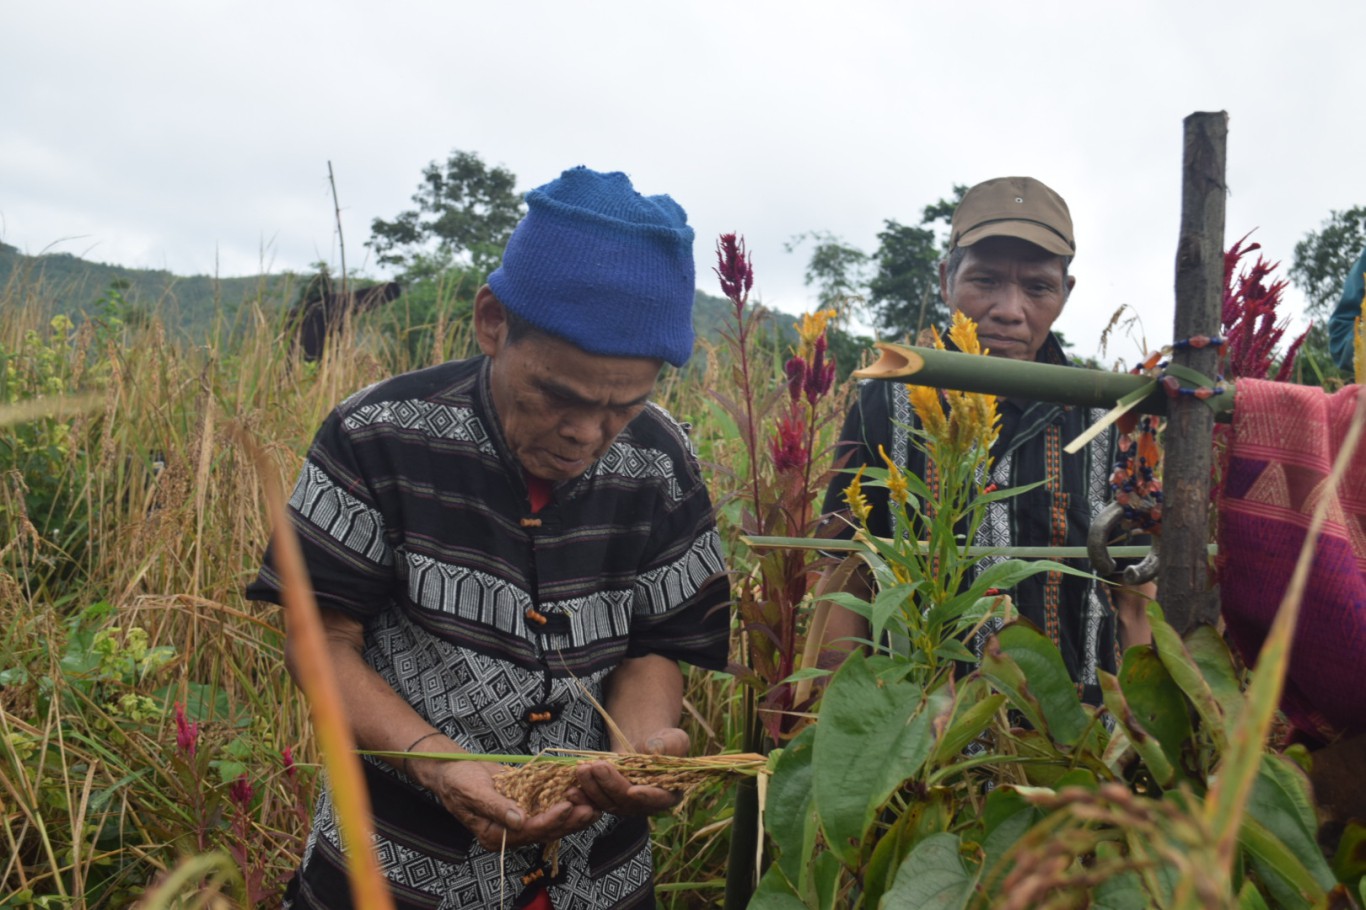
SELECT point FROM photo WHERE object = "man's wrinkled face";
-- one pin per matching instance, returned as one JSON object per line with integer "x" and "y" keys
{"x": 560, "y": 407}
{"x": 1012, "y": 289}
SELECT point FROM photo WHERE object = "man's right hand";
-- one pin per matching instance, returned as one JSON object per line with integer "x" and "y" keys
{"x": 466, "y": 789}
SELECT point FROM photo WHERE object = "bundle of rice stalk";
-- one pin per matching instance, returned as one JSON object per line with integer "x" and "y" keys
{"x": 545, "y": 779}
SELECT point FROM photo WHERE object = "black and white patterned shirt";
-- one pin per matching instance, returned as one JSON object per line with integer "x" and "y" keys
{"x": 410, "y": 510}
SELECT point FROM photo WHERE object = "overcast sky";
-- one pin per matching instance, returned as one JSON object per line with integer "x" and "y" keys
{"x": 195, "y": 136}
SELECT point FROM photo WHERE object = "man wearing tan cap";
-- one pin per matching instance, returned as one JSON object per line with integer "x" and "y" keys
{"x": 1007, "y": 269}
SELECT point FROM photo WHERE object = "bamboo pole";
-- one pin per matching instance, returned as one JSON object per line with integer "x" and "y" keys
{"x": 1019, "y": 379}
{"x": 1183, "y": 581}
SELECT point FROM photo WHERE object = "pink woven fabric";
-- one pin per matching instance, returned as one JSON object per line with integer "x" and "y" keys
{"x": 1285, "y": 438}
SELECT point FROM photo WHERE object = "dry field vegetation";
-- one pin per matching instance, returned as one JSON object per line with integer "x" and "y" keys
{"x": 147, "y": 726}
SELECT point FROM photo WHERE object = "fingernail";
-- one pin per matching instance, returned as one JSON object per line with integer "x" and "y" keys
{"x": 514, "y": 818}
{"x": 655, "y": 745}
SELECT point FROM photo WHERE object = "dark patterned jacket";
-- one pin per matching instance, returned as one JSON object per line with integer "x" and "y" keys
{"x": 1077, "y": 613}
{"x": 410, "y": 512}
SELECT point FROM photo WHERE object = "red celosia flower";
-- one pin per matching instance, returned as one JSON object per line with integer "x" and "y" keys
{"x": 1251, "y": 330}
{"x": 821, "y": 376}
{"x": 788, "y": 445}
{"x": 186, "y": 733}
{"x": 796, "y": 377}
{"x": 241, "y": 791}
{"x": 287, "y": 754}
{"x": 734, "y": 269}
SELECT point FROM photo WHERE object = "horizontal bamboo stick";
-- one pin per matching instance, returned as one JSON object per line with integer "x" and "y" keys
{"x": 1021, "y": 379}
{"x": 850, "y": 546}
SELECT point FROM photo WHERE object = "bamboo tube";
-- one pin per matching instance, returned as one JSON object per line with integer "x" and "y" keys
{"x": 1020, "y": 379}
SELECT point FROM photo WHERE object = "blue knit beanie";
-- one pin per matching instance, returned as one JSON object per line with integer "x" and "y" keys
{"x": 599, "y": 265}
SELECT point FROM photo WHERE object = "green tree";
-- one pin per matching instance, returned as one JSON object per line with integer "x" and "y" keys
{"x": 1321, "y": 261}
{"x": 838, "y": 272}
{"x": 1323, "y": 258}
{"x": 905, "y": 289}
{"x": 465, "y": 214}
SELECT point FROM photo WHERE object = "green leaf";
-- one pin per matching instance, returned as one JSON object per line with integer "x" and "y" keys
{"x": 775, "y": 893}
{"x": 788, "y": 817}
{"x": 933, "y": 877}
{"x": 890, "y": 602}
{"x": 807, "y": 673}
{"x": 1185, "y": 673}
{"x": 1029, "y": 669}
{"x": 1147, "y": 747}
{"x": 953, "y": 649}
{"x": 1006, "y": 818}
{"x": 1249, "y": 898}
{"x": 967, "y": 725}
{"x": 1349, "y": 862}
{"x": 1279, "y": 833}
{"x": 1211, "y": 654}
{"x": 921, "y": 818}
{"x": 1157, "y": 703}
{"x": 872, "y": 735}
{"x": 825, "y": 880}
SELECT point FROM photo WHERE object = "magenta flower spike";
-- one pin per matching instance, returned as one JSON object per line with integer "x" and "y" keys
{"x": 186, "y": 733}
{"x": 734, "y": 269}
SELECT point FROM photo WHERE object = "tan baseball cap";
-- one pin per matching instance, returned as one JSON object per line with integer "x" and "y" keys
{"x": 1014, "y": 207}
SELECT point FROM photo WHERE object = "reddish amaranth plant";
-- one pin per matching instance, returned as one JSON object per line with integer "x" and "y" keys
{"x": 778, "y": 500}
{"x": 1250, "y": 320}
{"x": 186, "y": 733}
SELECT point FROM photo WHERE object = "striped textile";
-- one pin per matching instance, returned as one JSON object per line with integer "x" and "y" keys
{"x": 1284, "y": 441}
{"x": 409, "y": 509}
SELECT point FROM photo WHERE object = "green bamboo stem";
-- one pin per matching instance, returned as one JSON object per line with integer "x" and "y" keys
{"x": 1020, "y": 379}
{"x": 974, "y": 552}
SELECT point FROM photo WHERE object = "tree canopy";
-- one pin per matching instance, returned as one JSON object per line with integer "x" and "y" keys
{"x": 1323, "y": 258}
{"x": 902, "y": 291}
{"x": 465, "y": 214}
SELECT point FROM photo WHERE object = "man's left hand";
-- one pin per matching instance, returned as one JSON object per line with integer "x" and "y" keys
{"x": 607, "y": 789}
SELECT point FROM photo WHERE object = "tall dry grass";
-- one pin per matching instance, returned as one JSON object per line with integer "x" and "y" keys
{"x": 148, "y": 731}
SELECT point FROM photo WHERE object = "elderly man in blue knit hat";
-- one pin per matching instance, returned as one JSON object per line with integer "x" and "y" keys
{"x": 500, "y": 545}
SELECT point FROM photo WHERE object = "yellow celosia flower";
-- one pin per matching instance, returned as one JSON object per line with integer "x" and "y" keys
{"x": 972, "y": 418}
{"x": 1359, "y": 349}
{"x": 925, "y": 402}
{"x": 810, "y": 328}
{"x": 853, "y": 495}
{"x": 896, "y": 480}
{"x": 963, "y": 332}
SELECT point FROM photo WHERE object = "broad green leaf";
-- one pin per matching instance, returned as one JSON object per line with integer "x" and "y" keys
{"x": 1279, "y": 808}
{"x": 1185, "y": 672}
{"x": 891, "y": 602}
{"x": 1144, "y": 744}
{"x": 788, "y": 816}
{"x": 825, "y": 880}
{"x": 1006, "y": 818}
{"x": 775, "y": 892}
{"x": 933, "y": 877}
{"x": 873, "y": 734}
{"x": 1029, "y": 669}
{"x": 1158, "y": 705}
{"x": 923, "y": 817}
{"x": 1210, "y": 653}
{"x": 1284, "y": 873}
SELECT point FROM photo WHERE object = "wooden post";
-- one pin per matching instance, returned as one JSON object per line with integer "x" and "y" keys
{"x": 1183, "y": 582}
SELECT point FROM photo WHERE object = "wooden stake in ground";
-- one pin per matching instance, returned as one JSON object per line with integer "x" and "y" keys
{"x": 1183, "y": 582}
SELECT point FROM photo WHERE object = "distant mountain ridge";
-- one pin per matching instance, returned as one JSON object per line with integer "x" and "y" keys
{"x": 187, "y": 303}
{"x": 191, "y": 303}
